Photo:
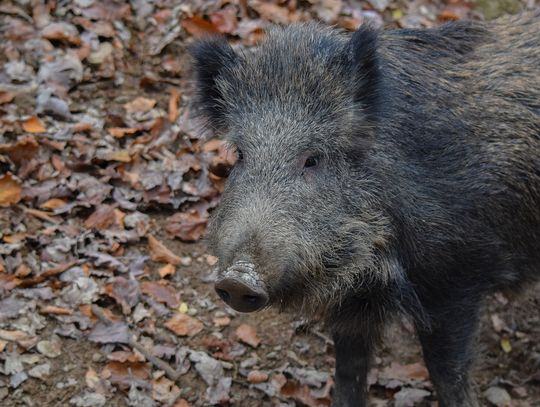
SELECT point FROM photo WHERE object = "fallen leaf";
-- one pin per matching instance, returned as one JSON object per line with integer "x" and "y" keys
{"x": 161, "y": 292}
{"x": 54, "y": 310}
{"x": 22, "y": 151}
{"x": 410, "y": 397}
{"x": 184, "y": 325}
{"x": 187, "y": 226}
{"x": 182, "y": 403}
{"x": 120, "y": 132}
{"x": 102, "y": 218}
{"x": 225, "y": 20}
{"x": 6, "y": 97}
{"x": 272, "y": 12}
{"x": 54, "y": 203}
{"x": 222, "y": 321}
{"x": 61, "y": 31}
{"x": 158, "y": 252}
{"x": 140, "y": 105}
{"x": 121, "y": 373}
{"x": 91, "y": 378}
{"x": 173, "y": 104}
{"x": 116, "y": 332}
{"x": 256, "y": 376}
{"x": 10, "y": 190}
{"x": 248, "y": 334}
{"x": 414, "y": 371}
{"x": 166, "y": 270}
{"x": 125, "y": 292}
{"x": 34, "y": 125}
{"x": 302, "y": 394}
{"x": 198, "y": 26}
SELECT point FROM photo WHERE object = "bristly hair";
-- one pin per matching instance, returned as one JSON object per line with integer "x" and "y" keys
{"x": 212, "y": 56}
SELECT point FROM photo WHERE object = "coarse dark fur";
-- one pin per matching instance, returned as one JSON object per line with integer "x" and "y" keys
{"x": 425, "y": 193}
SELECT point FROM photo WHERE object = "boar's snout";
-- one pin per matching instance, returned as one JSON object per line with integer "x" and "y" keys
{"x": 241, "y": 288}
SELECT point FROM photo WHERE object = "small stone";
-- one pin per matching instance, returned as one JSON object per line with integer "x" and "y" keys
{"x": 97, "y": 357}
{"x": 40, "y": 371}
{"x": 186, "y": 261}
{"x": 104, "y": 50}
{"x": 498, "y": 397}
{"x": 51, "y": 349}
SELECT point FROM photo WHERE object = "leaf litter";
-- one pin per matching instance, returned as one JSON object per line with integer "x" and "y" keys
{"x": 106, "y": 174}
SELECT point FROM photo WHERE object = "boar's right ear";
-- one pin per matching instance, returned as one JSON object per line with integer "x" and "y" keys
{"x": 211, "y": 57}
{"x": 365, "y": 68}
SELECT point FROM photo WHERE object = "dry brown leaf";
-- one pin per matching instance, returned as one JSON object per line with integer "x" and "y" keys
{"x": 22, "y": 151}
{"x": 102, "y": 218}
{"x": 34, "y": 125}
{"x": 54, "y": 203}
{"x": 22, "y": 271}
{"x": 184, "y": 325}
{"x": 222, "y": 321}
{"x": 198, "y": 26}
{"x": 13, "y": 336}
{"x": 187, "y": 226}
{"x": 14, "y": 238}
{"x": 8, "y": 281}
{"x": 122, "y": 156}
{"x": 272, "y": 12}
{"x": 256, "y": 376}
{"x": 6, "y": 97}
{"x": 167, "y": 270}
{"x": 182, "y": 403}
{"x": 158, "y": 252}
{"x": 82, "y": 127}
{"x": 140, "y": 105}
{"x": 61, "y": 31}
{"x": 248, "y": 334}
{"x": 302, "y": 394}
{"x": 161, "y": 292}
{"x": 414, "y": 371}
{"x": 121, "y": 373}
{"x": 10, "y": 190}
{"x": 53, "y": 309}
{"x": 120, "y": 132}
{"x": 173, "y": 104}
{"x": 91, "y": 378}
{"x": 42, "y": 215}
{"x": 225, "y": 20}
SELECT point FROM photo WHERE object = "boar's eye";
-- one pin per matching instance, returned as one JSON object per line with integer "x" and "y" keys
{"x": 311, "y": 161}
{"x": 239, "y": 154}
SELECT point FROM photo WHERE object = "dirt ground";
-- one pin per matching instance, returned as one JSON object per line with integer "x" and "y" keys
{"x": 104, "y": 181}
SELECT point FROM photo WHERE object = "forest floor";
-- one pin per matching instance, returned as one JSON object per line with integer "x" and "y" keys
{"x": 106, "y": 184}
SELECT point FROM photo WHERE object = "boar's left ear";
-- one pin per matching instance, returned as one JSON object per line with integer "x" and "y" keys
{"x": 365, "y": 67}
{"x": 211, "y": 58}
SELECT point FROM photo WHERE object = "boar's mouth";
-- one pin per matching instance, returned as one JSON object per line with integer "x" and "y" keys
{"x": 241, "y": 288}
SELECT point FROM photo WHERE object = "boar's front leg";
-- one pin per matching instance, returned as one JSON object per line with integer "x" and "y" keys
{"x": 448, "y": 349}
{"x": 353, "y": 356}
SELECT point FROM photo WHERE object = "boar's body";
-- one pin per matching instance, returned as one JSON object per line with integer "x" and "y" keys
{"x": 380, "y": 173}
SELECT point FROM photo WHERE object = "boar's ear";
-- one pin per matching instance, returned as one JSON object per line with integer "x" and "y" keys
{"x": 211, "y": 58}
{"x": 365, "y": 68}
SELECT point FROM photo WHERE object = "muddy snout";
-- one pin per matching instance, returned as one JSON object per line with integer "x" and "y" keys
{"x": 241, "y": 288}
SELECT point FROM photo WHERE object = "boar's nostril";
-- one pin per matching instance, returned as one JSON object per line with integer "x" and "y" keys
{"x": 251, "y": 299}
{"x": 224, "y": 295}
{"x": 241, "y": 295}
